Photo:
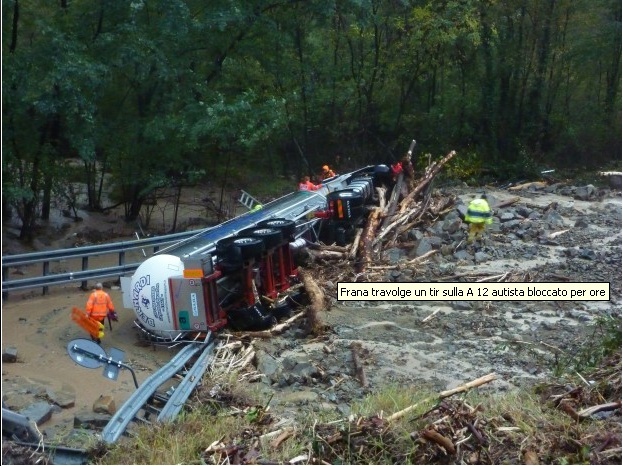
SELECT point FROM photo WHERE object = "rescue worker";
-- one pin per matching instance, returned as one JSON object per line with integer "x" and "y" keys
{"x": 307, "y": 185}
{"x": 100, "y": 306}
{"x": 327, "y": 172}
{"x": 478, "y": 216}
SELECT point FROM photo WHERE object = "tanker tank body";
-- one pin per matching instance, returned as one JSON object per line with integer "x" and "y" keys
{"x": 187, "y": 287}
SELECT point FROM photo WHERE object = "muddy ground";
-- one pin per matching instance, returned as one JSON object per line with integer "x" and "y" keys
{"x": 520, "y": 341}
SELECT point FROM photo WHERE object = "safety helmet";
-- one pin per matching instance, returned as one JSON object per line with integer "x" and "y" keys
{"x": 325, "y": 168}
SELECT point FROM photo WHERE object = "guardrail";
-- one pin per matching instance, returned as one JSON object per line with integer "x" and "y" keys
{"x": 83, "y": 273}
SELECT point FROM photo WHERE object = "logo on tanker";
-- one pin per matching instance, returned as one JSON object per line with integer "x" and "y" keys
{"x": 140, "y": 301}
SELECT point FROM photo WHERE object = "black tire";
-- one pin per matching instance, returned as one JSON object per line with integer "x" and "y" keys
{"x": 222, "y": 247}
{"x": 255, "y": 317}
{"x": 228, "y": 257}
{"x": 272, "y": 237}
{"x": 249, "y": 247}
{"x": 287, "y": 227}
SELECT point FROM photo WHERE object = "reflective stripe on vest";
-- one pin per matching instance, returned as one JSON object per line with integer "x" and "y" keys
{"x": 479, "y": 212}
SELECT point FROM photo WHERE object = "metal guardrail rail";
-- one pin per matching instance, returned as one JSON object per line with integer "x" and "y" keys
{"x": 140, "y": 399}
{"x": 82, "y": 274}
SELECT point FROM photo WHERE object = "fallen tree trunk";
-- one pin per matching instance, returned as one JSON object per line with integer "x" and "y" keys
{"x": 367, "y": 238}
{"x": 425, "y": 180}
{"x": 316, "y": 298}
{"x": 393, "y": 200}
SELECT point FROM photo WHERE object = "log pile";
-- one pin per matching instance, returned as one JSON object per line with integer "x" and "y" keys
{"x": 396, "y": 215}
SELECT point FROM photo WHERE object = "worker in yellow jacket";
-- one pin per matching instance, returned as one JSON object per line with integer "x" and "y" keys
{"x": 478, "y": 216}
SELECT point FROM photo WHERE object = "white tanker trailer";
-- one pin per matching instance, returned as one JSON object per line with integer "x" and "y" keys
{"x": 239, "y": 272}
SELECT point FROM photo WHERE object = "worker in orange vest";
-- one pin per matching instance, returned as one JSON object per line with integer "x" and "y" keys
{"x": 100, "y": 306}
{"x": 306, "y": 185}
{"x": 327, "y": 172}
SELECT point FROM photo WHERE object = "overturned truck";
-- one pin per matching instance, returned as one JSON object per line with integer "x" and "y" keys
{"x": 241, "y": 273}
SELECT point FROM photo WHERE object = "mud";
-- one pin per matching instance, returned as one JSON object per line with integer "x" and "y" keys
{"x": 520, "y": 341}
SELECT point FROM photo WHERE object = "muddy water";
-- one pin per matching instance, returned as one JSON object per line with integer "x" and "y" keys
{"x": 40, "y": 327}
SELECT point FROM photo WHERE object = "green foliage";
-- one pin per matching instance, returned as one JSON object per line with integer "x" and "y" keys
{"x": 603, "y": 341}
{"x": 140, "y": 89}
{"x": 465, "y": 167}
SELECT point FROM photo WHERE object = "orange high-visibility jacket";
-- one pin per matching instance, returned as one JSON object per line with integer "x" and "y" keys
{"x": 328, "y": 173}
{"x": 99, "y": 304}
{"x": 308, "y": 186}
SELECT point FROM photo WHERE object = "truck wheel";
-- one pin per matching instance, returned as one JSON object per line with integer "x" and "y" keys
{"x": 228, "y": 257}
{"x": 272, "y": 237}
{"x": 248, "y": 247}
{"x": 287, "y": 227}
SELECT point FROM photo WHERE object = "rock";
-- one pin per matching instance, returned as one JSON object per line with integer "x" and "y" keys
{"x": 105, "y": 404}
{"x": 481, "y": 257}
{"x": 91, "y": 420}
{"x": 63, "y": 399}
{"x": 581, "y": 223}
{"x": 394, "y": 255}
{"x": 447, "y": 268}
{"x": 266, "y": 364}
{"x": 588, "y": 254}
{"x": 506, "y": 216}
{"x": 523, "y": 211}
{"x": 39, "y": 412}
{"x": 554, "y": 219}
{"x": 415, "y": 234}
{"x": 584, "y": 193}
{"x": 451, "y": 225}
{"x": 462, "y": 210}
{"x": 463, "y": 255}
{"x": 510, "y": 224}
{"x": 9, "y": 354}
{"x": 305, "y": 371}
{"x": 422, "y": 246}
{"x": 462, "y": 305}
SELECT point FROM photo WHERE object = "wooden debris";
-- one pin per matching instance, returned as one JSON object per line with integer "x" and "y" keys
{"x": 469, "y": 385}
{"x": 557, "y": 233}
{"x": 507, "y": 203}
{"x": 595, "y": 409}
{"x": 367, "y": 238}
{"x": 355, "y": 246}
{"x": 474, "y": 383}
{"x": 530, "y": 457}
{"x": 424, "y": 181}
{"x": 316, "y": 297}
{"x": 532, "y": 184}
{"x": 275, "y": 330}
{"x": 434, "y": 436}
{"x": 327, "y": 255}
{"x": 356, "y": 349}
{"x": 390, "y": 208}
{"x": 426, "y": 319}
{"x": 286, "y": 434}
